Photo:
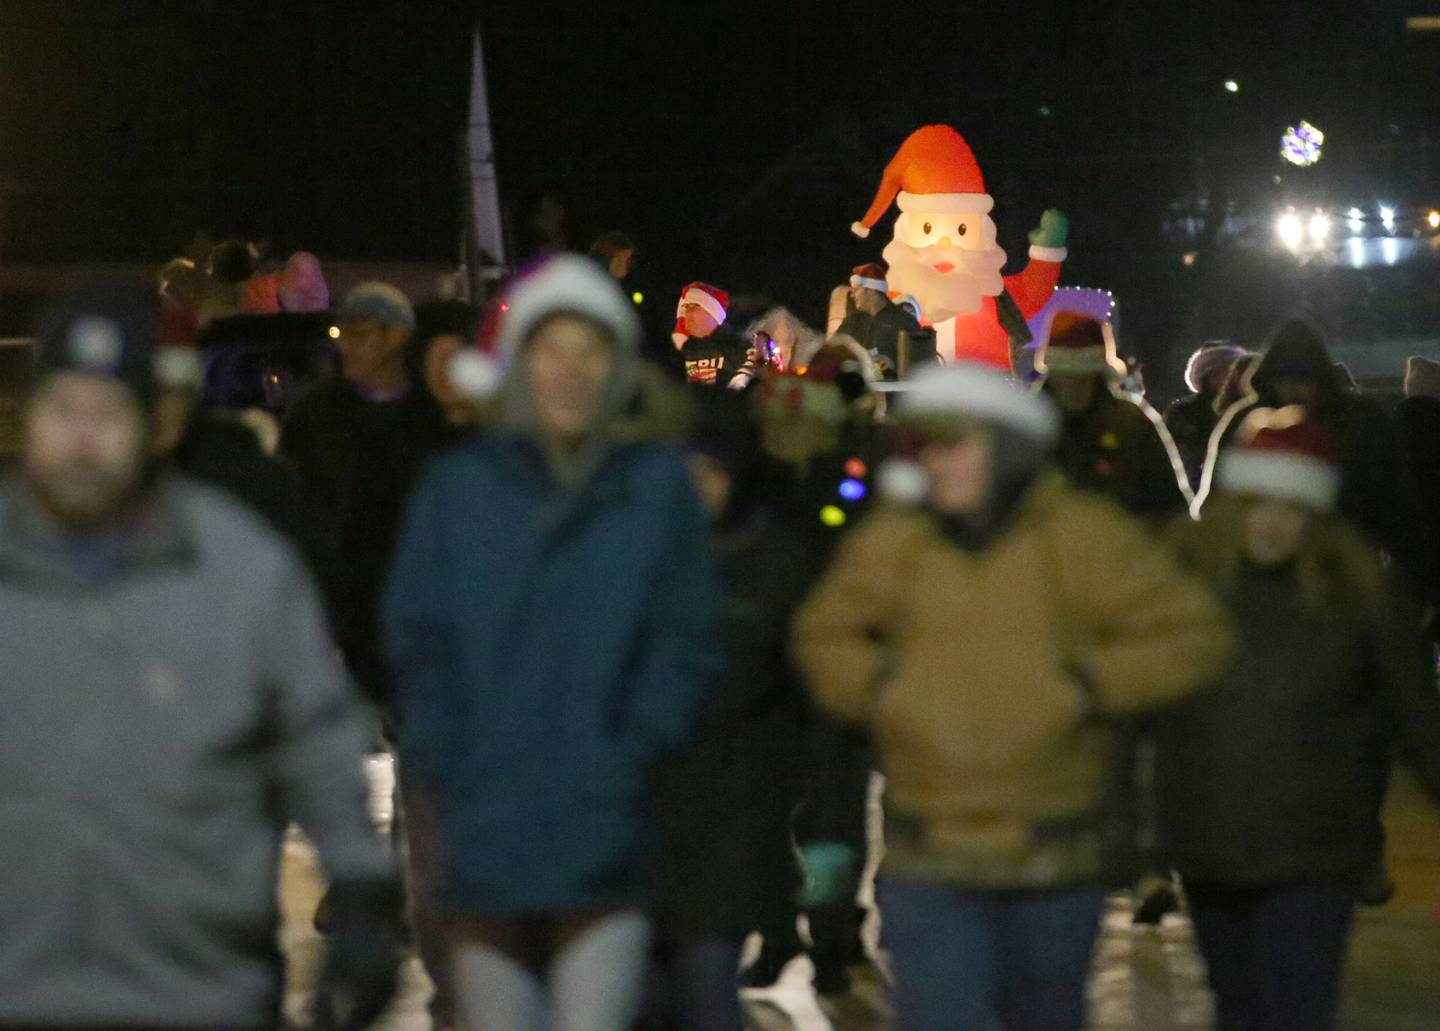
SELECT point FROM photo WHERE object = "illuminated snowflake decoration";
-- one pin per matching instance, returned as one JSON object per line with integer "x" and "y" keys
{"x": 1301, "y": 144}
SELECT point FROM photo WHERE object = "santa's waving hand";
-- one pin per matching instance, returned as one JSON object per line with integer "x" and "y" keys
{"x": 944, "y": 252}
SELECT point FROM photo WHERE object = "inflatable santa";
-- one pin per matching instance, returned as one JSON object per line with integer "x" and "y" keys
{"x": 944, "y": 252}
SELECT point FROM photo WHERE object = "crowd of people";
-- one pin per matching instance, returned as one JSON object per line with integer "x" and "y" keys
{"x": 640, "y": 635}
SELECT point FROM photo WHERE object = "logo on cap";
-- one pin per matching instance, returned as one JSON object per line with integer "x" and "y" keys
{"x": 95, "y": 344}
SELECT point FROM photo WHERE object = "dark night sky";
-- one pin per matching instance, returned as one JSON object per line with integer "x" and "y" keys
{"x": 736, "y": 141}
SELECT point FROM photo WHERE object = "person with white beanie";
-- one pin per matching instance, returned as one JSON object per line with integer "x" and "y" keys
{"x": 1066, "y": 618}
{"x": 552, "y": 618}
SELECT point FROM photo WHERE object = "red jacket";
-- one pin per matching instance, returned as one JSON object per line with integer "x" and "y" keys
{"x": 980, "y": 336}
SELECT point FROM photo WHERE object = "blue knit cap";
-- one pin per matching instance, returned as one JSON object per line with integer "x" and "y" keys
{"x": 377, "y": 302}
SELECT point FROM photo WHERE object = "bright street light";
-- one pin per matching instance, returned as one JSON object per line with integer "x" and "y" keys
{"x": 1231, "y": 86}
{"x": 1290, "y": 230}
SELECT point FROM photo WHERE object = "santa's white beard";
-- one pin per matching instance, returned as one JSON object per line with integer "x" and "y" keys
{"x": 976, "y": 275}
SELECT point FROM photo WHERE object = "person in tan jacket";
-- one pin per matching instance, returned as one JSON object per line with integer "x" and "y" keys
{"x": 993, "y": 635}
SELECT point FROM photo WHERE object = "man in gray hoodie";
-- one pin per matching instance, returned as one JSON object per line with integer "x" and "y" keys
{"x": 172, "y": 702}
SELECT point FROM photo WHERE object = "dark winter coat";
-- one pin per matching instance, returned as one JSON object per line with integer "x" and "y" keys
{"x": 725, "y": 800}
{"x": 880, "y": 334}
{"x": 551, "y": 646}
{"x": 227, "y": 454}
{"x": 1377, "y": 493}
{"x": 357, "y": 461}
{"x": 1277, "y": 772}
{"x": 715, "y": 360}
{"x": 1120, "y": 448}
{"x": 1190, "y": 420}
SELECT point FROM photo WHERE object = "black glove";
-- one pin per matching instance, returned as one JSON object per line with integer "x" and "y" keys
{"x": 364, "y": 949}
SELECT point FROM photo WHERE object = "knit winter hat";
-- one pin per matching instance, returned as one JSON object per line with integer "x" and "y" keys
{"x": 377, "y": 302}
{"x": 1209, "y": 360}
{"x": 934, "y": 170}
{"x": 1075, "y": 344}
{"x": 564, "y": 284}
{"x": 1282, "y": 455}
{"x": 1422, "y": 377}
{"x": 871, "y": 276}
{"x": 968, "y": 390}
{"x": 103, "y": 327}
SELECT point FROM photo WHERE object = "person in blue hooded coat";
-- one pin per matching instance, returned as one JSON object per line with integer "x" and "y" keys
{"x": 552, "y": 618}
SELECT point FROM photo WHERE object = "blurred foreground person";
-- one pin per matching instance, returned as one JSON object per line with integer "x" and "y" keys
{"x": 724, "y": 801}
{"x": 172, "y": 703}
{"x": 1066, "y": 618}
{"x": 813, "y": 482}
{"x": 552, "y": 621}
{"x": 1270, "y": 784}
{"x": 1377, "y": 495}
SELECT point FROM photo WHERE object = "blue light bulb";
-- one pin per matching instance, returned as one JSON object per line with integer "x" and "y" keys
{"x": 852, "y": 490}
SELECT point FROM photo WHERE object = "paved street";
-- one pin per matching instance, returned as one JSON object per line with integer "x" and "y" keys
{"x": 1146, "y": 979}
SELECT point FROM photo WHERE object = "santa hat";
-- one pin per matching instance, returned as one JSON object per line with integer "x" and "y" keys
{"x": 1075, "y": 344}
{"x": 871, "y": 276}
{"x": 565, "y": 283}
{"x": 934, "y": 170}
{"x": 971, "y": 391}
{"x": 1208, "y": 360}
{"x": 711, "y": 298}
{"x": 842, "y": 360}
{"x": 1422, "y": 377}
{"x": 177, "y": 360}
{"x": 1282, "y": 455}
{"x": 966, "y": 391}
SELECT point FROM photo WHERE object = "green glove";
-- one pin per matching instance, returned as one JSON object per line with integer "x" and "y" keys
{"x": 1053, "y": 231}
{"x": 830, "y": 869}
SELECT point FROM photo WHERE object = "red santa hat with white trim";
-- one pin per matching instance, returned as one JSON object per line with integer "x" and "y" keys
{"x": 934, "y": 170}
{"x": 714, "y": 300}
{"x": 564, "y": 283}
{"x": 1075, "y": 344}
{"x": 966, "y": 391}
{"x": 870, "y": 276}
{"x": 1282, "y": 455}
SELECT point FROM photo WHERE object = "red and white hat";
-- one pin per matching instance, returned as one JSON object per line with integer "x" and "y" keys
{"x": 934, "y": 170}
{"x": 177, "y": 358}
{"x": 1282, "y": 455}
{"x": 871, "y": 276}
{"x": 1075, "y": 344}
{"x": 711, "y": 298}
